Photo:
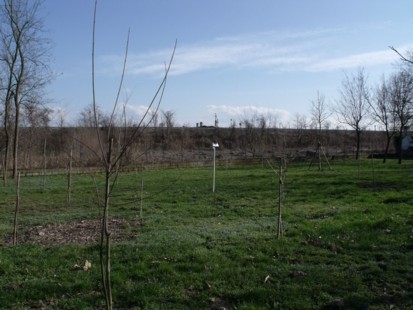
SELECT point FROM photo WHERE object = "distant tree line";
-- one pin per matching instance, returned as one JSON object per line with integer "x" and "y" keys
{"x": 188, "y": 144}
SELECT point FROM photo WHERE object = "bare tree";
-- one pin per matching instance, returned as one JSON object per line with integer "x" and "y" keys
{"x": 168, "y": 118}
{"x": 300, "y": 124}
{"x": 262, "y": 124}
{"x": 352, "y": 108}
{"x": 87, "y": 117}
{"x": 250, "y": 137}
{"x": 300, "y": 121}
{"x": 59, "y": 117}
{"x": 382, "y": 111}
{"x": 319, "y": 111}
{"x": 24, "y": 69}
{"x": 34, "y": 117}
{"x": 401, "y": 98}
{"x": 168, "y": 121}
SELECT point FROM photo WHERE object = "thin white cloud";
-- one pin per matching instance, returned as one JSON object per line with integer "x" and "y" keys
{"x": 353, "y": 61}
{"x": 251, "y": 50}
{"x": 300, "y": 51}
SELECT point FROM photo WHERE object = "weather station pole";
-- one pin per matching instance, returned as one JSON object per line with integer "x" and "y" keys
{"x": 214, "y": 146}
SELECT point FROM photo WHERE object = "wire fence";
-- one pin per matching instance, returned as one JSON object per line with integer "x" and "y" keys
{"x": 142, "y": 167}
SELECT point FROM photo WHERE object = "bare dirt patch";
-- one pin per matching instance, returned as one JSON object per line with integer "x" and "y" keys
{"x": 79, "y": 232}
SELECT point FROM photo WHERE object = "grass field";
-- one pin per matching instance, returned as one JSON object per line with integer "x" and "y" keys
{"x": 347, "y": 240}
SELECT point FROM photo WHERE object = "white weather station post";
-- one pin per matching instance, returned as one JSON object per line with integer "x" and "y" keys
{"x": 215, "y": 145}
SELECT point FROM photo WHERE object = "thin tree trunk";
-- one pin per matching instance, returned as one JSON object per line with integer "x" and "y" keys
{"x": 19, "y": 84}
{"x": 44, "y": 164}
{"x": 358, "y": 137}
{"x": 105, "y": 235}
{"x": 280, "y": 192}
{"x": 7, "y": 120}
{"x": 5, "y": 159}
{"x": 69, "y": 178}
{"x": 319, "y": 155}
{"x": 28, "y": 154}
{"x": 386, "y": 150}
{"x": 16, "y": 211}
{"x": 16, "y": 143}
{"x": 401, "y": 145}
{"x": 141, "y": 205}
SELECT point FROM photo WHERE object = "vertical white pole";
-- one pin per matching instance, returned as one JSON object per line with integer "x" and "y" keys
{"x": 213, "y": 180}
{"x": 140, "y": 212}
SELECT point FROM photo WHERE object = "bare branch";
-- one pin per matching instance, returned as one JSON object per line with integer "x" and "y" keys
{"x": 95, "y": 114}
{"x": 402, "y": 57}
{"x": 120, "y": 84}
{"x": 157, "y": 97}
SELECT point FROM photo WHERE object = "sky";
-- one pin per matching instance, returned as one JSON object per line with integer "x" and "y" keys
{"x": 234, "y": 58}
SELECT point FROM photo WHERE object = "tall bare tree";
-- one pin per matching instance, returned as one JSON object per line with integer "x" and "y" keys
{"x": 352, "y": 107}
{"x": 401, "y": 98}
{"x": 24, "y": 66}
{"x": 382, "y": 111}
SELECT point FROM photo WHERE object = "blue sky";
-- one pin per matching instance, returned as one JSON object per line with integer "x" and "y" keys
{"x": 235, "y": 58}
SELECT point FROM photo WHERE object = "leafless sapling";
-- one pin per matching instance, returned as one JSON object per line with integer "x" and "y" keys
{"x": 109, "y": 157}
{"x": 280, "y": 173}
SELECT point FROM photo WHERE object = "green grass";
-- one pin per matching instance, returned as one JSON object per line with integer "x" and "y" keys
{"x": 347, "y": 234}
